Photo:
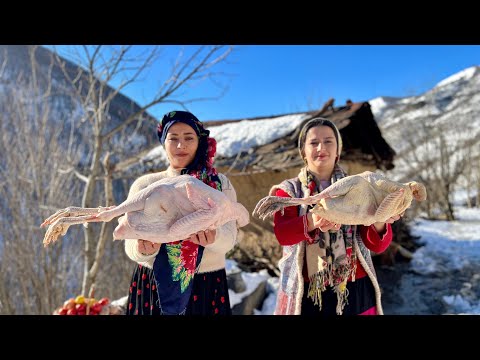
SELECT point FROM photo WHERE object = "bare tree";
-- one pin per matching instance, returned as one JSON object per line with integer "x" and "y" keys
{"x": 33, "y": 280}
{"x": 111, "y": 138}
{"x": 64, "y": 129}
{"x": 471, "y": 174}
{"x": 438, "y": 155}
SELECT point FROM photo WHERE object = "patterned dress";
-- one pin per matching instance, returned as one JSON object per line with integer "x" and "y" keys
{"x": 209, "y": 295}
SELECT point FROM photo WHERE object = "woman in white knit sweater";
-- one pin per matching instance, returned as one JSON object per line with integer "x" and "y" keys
{"x": 184, "y": 277}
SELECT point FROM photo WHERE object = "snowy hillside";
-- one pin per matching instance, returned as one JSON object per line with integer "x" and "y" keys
{"x": 451, "y": 109}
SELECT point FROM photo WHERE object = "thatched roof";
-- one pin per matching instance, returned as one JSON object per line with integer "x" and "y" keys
{"x": 362, "y": 142}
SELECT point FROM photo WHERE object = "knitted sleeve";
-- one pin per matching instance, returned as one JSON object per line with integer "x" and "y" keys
{"x": 226, "y": 236}
{"x": 290, "y": 228}
{"x": 372, "y": 239}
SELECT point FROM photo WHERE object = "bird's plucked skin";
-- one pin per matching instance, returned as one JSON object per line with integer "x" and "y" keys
{"x": 361, "y": 199}
{"x": 168, "y": 210}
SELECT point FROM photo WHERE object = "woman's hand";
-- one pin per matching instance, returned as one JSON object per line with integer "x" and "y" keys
{"x": 321, "y": 223}
{"x": 380, "y": 226}
{"x": 394, "y": 218}
{"x": 203, "y": 238}
{"x": 146, "y": 247}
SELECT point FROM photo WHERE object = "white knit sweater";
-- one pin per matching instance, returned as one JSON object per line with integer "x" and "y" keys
{"x": 214, "y": 254}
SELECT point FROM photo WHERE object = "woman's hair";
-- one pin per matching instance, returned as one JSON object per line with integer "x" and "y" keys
{"x": 314, "y": 123}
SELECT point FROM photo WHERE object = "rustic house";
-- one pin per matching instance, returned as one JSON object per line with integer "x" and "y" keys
{"x": 254, "y": 170}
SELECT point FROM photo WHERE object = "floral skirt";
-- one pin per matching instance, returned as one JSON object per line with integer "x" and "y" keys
{"x": 209, "y": 294}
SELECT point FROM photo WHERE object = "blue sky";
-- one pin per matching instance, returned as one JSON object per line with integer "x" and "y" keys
{"x": 266, "y": 80}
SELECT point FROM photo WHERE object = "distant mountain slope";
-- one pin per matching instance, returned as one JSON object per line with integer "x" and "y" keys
{"x": 451, "y": 108}
{"x": 16, "y": 73}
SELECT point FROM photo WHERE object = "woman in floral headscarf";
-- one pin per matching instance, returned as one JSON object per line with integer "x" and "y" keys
{"x": 326, "y": 268}
{"x": 187, "y": 276}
